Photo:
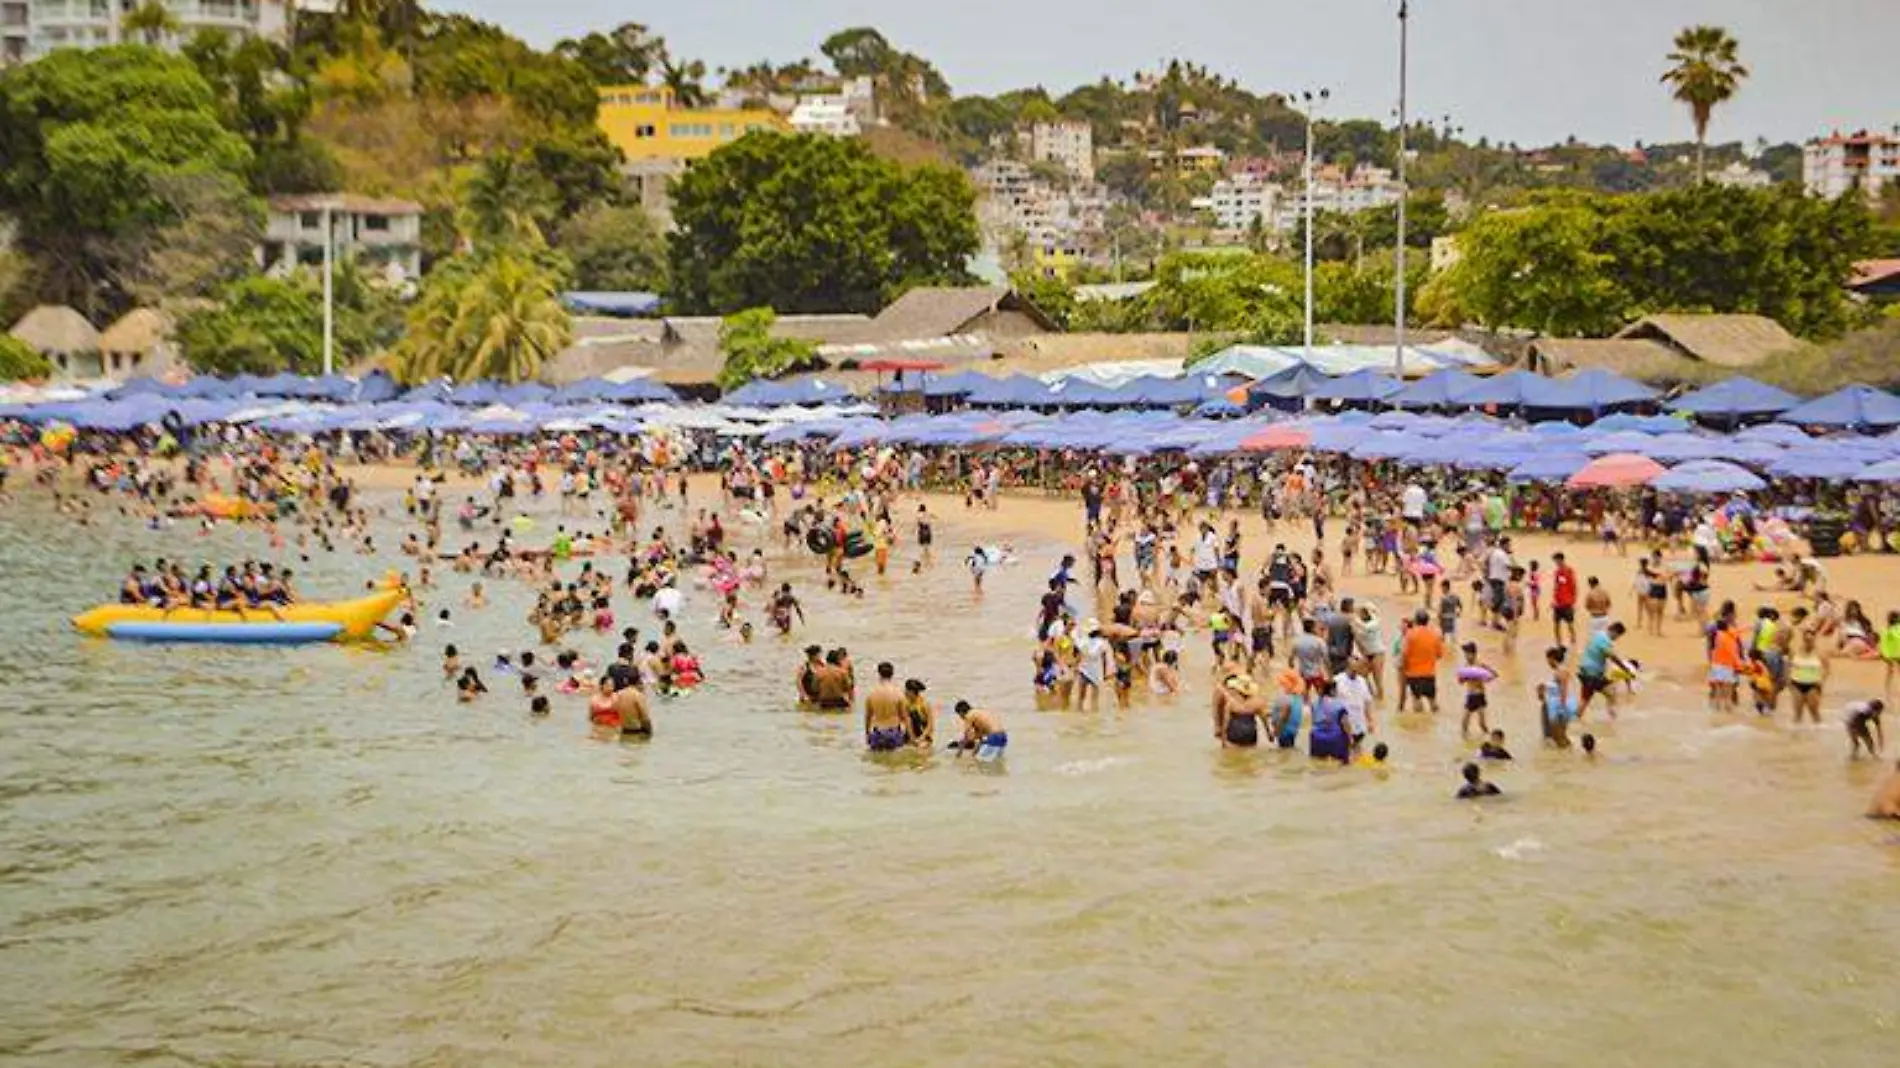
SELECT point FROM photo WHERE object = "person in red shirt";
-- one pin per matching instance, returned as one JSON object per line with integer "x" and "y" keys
{"x": 1563, "y": 600}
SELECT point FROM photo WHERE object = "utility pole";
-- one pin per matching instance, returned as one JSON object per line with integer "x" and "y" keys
{"x": 329, "y": 308}
{"x": 1312, "y": 102}
{"x": 1398, "y": 325}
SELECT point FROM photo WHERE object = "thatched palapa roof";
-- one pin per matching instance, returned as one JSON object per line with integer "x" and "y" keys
{"x": 137, "y": 331}
{"x": 1648, "y": 361}
{"x": 55, "y": 329}
{"x": 1724, "y": 340}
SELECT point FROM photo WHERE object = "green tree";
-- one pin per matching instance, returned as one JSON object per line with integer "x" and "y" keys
{"x": 814, "y": 224}
{"x": 1258, "y": 298}
{"x": 152, "y": 21}
{"x": 89, "y": 137}
{"x": 1704, "y": 71}
{"x": 624, "y": 55}
{"x": 751, "y": 350}
{"x": 495, "y": 315}
{"x": 19, "y": 360}
{"x": 1535, "y": 269}
{"x": 506, "y": 200}
{"x": 686, "y": 78}
{"x": 614, "y": 248}
{"x": 1054, "y": 296}
{"x": 263, "y": 324}
{"x": 211, "y": 239}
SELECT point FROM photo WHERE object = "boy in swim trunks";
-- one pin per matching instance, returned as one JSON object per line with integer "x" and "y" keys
{"x": 983, "y": 733}
{"x": 1863, "y": 728}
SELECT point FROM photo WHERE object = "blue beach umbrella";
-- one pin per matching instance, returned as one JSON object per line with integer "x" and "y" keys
{"x": 1707, "y": 476}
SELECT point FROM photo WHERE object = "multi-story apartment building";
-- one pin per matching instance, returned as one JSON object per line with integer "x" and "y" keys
{"x": 1836, "y": 165}
{"x": 828, "y": 115}
{"x": 646, "y": 122}
{"x": 1239, "y": 200}
{"x": 1058, "y": 228}
{"x": 53, "y": 24}
{"x": 16, "y": 31}
{"x": 1335, "y": 191}
{"x": 382, "y": 235}
{"x": 1070, "y": 144}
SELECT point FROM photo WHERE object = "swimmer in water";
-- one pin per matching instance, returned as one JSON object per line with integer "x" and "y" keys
{"x": 983, "y": 733}
{"x": 451, "y": 662}
{"x": 923, "y": 718}
{"x": 886, "y": 722}
{"x": 1864, "y": 729}
{"x": 1493, "y": 748}
{"x": 1474, "y": 786}
{"x": 1238, "y": 709}
{"x": 1374, "y": 759}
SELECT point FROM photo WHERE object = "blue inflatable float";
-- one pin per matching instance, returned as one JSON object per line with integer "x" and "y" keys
{"x": 226, "y": 633}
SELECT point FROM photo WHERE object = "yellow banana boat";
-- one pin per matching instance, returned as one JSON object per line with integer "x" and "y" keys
{"x": 307, "y": 621}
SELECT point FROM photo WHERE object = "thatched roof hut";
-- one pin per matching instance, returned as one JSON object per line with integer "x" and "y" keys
{"x": 56, "y": 329}
{"x": 139, "y": 344}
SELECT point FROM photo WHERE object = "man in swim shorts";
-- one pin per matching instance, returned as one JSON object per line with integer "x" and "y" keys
{"x": 886, "y": 720}
{"x": 1593, "y": 668}
{"x": 983, "y": 733}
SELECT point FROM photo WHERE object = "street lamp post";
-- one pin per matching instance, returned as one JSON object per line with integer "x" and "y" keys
{"x": 329, "y": 307}
{"x": 1398, "y": 325}
{"x": 1312, "y": 100}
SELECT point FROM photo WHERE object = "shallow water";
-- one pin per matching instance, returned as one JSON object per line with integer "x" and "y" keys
{"x": 314, "y": 855}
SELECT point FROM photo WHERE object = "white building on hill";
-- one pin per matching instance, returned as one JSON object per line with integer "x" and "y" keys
{"x": 828, "y": 115}
{"x": 30, "y": 29}
{"x": 1833, "y": 166}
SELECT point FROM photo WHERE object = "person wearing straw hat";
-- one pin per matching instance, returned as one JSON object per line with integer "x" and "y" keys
{"x": 1238, "y": 709}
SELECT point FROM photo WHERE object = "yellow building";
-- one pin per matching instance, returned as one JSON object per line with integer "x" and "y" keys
{"x": 1056, "y": 259}
{"x": 647, "y": 123}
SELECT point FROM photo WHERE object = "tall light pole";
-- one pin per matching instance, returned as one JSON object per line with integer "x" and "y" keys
{"x": 329, "y": 306}
{"x": 1398, "y": 325}
{"x": 1312, "y": 101}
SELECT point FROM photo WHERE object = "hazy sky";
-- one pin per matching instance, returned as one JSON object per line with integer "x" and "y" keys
{"x": 1513, "y": 70}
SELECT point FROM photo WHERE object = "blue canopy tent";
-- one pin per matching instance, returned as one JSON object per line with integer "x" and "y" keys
{"x": 1078, "y": 393}
{"x": 1594, "y": 391}
{"x": 376, "y": 388}
{"x": 1852, "y": 406}
{"x": 1440, "y": 389}
{"x": 1549, "y": 467}
{"x": 1286, "y": 389}
{"x": 1670, "y": 448}
{"x": 805, "y": 390}
{"x": 1359, "y": 387}
{"x": 1505, "y": 390}
{"x": 1734, "y": 399}
{"x": 1706, "y": 476}
{"x": 1887, "y": 472}
{"x": 1808, "y": 464}
{"x": 1003, "y": 392}
{"x": 437, "y": 391}
{"x": 1775, "y": 434}
{"x": 621, "y": 305}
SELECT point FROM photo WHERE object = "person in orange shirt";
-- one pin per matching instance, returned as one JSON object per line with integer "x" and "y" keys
{"x": 1725, "y": 667}
{"x": 1419, "y": 653}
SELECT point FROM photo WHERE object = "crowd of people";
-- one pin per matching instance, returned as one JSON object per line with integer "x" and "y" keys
{"x": 1156, "y": 573}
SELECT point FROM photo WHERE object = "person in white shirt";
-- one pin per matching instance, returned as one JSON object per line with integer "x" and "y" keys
{"x": 1354, "y": 690}
{"x": 1412, "y": 503}
{"x": 669, "y": 601}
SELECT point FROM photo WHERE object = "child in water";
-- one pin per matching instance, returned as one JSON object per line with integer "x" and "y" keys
{"x": 1493, "y": 748}
{"x": 451, "y": 662}
{"x": 1474, "y": 786}
{"x": 1474, "y": 677}
{"x": 1165, "y": 677}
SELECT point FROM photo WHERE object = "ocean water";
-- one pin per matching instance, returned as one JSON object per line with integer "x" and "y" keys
{"x": 316, "y": 856}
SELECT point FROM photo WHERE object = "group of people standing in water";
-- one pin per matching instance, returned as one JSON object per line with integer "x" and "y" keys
{"x": 1291, "y": 652}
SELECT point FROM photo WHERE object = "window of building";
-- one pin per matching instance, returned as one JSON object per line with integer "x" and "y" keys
{"x": 725, "y": 130}
{"x": 115, "y": 362}
{"x": 310, "y": 220}
{"x": 376, "y": 223}
{"x": 644, "y": 131}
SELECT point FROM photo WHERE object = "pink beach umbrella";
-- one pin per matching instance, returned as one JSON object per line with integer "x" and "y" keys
{"x": 1278, "y": 437}
{"x": 1615, "y": 471}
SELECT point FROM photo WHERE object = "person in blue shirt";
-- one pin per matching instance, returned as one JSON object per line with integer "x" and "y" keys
{"x": 1593, "y": 668}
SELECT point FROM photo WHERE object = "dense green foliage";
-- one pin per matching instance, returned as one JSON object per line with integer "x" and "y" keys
{"x": 1584, "y": 265}
{"x": 814, "y": 224}
{"x": 92, "y": 141}
{"x": 491, "y": 315}
{"x": 265, "y": 325}
{"x": 20, "y": 360}
{"x": 614, "y": 248}
{"x": 751, "y": 351}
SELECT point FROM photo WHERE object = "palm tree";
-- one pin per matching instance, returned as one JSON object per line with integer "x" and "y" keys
{"x": 499, "y": 317}
{"x": 151, "y": 20}
{"x": 1704, "y": 72}
{"x": 684, "y": 79}
{"x": 506, "y": 200}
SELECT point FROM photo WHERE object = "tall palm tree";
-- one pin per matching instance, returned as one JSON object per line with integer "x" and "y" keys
{"x": 151, "y": 20}
{"x": 509, "y": 322}
{"x": 1705, "y": 71}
